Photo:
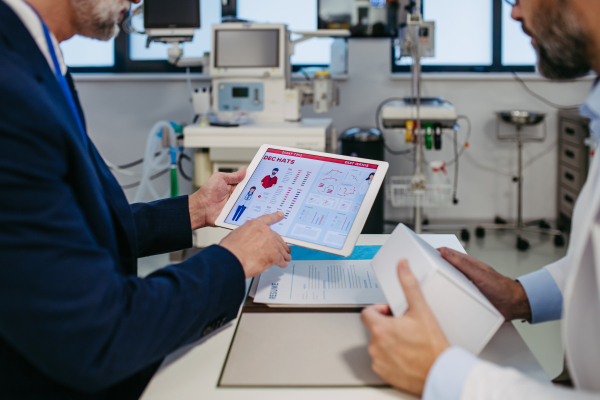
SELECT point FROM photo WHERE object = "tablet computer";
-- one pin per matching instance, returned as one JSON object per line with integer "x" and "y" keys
{"x": 326, "y": 198}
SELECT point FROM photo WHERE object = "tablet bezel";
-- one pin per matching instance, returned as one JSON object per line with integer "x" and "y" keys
{"x": 361, "y": 216}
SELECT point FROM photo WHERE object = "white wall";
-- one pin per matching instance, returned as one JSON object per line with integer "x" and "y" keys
{"x": 120, "y": 111}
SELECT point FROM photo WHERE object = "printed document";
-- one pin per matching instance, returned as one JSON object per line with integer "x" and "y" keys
{"x": 325, "y": 282}
{"x": 334, "y": 281}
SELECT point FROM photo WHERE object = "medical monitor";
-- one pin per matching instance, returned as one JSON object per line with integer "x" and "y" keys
{"x": 171, "y": 14}
{"x": 247, "y": 48}
{"x": 249, "y": 51}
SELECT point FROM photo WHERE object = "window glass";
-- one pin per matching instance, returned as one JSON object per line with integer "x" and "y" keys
{"x": 463, "y": 32}
{"x": 210, "y": 13}
{"x": 463, "y": 35}
{"x": 299, "y": 15}
{"x": 80, "y": 51}
{"x": 516, "y": 45}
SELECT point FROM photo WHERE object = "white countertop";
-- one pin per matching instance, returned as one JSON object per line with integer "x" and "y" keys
{"x": 308, "y": 134}
{"x": 193, "y": 371}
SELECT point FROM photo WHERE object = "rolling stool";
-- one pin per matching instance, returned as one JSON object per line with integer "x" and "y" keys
{"x": 520, "y": 119}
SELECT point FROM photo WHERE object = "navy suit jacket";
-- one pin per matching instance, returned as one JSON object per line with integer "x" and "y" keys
{"x": 75, "y": 320}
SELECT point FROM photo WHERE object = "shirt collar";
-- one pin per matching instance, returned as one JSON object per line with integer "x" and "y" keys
{"x": 591, "y": 109}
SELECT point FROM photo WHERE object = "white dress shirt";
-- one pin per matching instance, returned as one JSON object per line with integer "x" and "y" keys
{"x": 32, "y": 22}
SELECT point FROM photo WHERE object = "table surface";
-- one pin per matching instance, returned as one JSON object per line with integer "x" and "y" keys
{"x": 308, "y": 134}
{"x": 193, "y": 372}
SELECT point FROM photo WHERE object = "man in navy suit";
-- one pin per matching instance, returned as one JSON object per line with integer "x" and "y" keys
{"x": 75, "y": 320}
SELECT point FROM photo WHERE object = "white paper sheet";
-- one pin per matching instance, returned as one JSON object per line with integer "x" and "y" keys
{"x": 349, "y": 296}
{"x": 350, "y": 282}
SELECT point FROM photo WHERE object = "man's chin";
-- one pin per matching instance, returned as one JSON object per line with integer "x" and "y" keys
{"x": 104, "y": 34}
{"x": 559, "y": 73}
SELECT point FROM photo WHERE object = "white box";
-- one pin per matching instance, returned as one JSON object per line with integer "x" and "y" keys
{"x": 465, "y": 315}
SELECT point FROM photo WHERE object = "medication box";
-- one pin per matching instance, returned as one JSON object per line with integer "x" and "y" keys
{"x": 465, "y": 315}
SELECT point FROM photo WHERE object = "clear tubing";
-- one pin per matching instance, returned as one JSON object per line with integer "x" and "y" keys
{"x": 153, "y": 164}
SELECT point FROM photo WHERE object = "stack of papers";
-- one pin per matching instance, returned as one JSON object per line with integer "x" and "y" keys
{"x": 348, "y": 283}
{"x": 317, "y": 279}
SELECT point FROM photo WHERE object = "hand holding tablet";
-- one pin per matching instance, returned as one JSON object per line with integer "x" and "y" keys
{"x": 325, "y": 198}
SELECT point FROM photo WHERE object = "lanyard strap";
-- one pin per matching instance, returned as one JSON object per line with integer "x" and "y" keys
{"x": 62, "y": 81}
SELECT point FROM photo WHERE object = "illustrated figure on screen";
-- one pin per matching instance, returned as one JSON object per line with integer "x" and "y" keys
{"x": 270, "y": 180}
{"x": 365, "y": 185}
{"x": 245, "y": 203}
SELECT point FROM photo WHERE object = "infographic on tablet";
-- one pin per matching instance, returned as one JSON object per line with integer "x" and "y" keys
{"x": 320, "y": 196}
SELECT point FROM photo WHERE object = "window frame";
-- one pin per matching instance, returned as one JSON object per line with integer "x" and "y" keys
{"x": 496, "y": 65}
{"x": 123, "y": 64}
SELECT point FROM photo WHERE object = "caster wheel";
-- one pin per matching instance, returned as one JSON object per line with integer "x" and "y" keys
{"x": 522, "y": 244}
{"x": 561, "y": 226}
{"x": 480, "y": 232}
{"x": 465, "y": 235}
{"x": 426, "y": 221}
{"x": 544, "y": 225}
{"x": 559, "y": 241}
{"x": 499, "y": 221}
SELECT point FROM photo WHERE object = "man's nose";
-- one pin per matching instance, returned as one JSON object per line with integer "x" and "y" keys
{"x": 517, "y": 13}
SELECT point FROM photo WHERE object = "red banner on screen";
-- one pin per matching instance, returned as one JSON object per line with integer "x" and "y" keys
{"x": 320, "y": 158}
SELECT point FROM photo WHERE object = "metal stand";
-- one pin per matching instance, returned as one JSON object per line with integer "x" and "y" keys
{"x": 520, "y": 119}
{"x": 418, "y": 184}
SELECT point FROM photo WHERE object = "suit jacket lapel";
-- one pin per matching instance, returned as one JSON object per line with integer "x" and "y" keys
{"x": 76, "y": 99}
{"x": 17, "y": 38}
{"x": 112, "y": 190}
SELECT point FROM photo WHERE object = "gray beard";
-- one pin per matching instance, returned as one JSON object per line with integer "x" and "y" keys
{"x": 563, "y": 48}
{"x": 106, "y": 30}
{"x": 95, "y": 19}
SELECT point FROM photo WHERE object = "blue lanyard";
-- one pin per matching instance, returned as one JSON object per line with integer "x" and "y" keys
{"x": 62, "y": 81}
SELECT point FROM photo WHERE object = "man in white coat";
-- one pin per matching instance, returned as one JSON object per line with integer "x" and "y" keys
{"x": 411, "y": 352}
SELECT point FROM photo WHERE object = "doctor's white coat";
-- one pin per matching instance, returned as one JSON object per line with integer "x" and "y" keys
{"x": 578, "y": 277}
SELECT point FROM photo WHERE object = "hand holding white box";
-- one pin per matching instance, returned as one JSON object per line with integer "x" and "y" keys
{"x": 465, "y": 315}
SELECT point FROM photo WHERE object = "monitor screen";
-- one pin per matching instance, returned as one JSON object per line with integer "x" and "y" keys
{"x": 247, "y": 48}
{"x": 320, "y": 196}
{"x": 172, "y": 14}
{"x": 240, "y": 92}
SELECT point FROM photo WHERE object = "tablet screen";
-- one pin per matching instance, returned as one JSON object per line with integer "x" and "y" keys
{"x": 320, "y": 196}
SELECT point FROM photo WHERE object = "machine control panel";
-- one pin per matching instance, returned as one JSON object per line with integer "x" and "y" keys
{"x": 240, "y": 96}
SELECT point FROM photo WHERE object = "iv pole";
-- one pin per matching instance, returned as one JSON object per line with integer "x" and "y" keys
{"x": 414, "y": 40}
{"x": 418, "y": 180}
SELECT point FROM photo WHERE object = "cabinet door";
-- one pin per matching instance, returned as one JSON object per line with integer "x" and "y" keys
{"x": 566, "y": 201}
{"x": 571, "y": 155}
{"x": 570, "y": 178}
{"x": 572, "y": 132}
